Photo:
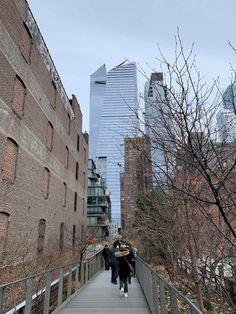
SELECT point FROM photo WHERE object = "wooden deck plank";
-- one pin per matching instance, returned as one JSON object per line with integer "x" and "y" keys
{"x": 100, "y": 297}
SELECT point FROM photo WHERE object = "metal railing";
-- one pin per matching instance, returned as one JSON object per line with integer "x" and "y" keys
{"x": 47, "y": 291}
{"x": 161, "y": 296}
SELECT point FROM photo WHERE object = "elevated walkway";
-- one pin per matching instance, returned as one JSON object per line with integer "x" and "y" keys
{"x": 100, "y": 296}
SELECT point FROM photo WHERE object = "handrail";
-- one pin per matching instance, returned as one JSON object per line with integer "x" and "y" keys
{"x": 58, "y": 286}
{"x": 161, "y": 296}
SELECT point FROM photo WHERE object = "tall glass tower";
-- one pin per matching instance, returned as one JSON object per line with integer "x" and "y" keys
{"x": 113, "y": 116}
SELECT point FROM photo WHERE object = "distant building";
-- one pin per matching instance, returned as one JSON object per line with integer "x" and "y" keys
{"x": 226, "y": 125}
{"x": 113, "y": 230}
{"x": 155, "y": 96}
{"x": 137, "y": 178}
{"x": 229, "y": 98}
{"x": 99, "y": 204}
{"x": 43, "y": 152}
{"x": 113, "y": 115}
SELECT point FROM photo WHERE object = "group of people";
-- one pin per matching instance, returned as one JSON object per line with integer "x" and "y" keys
{"x": 121, "y": 259}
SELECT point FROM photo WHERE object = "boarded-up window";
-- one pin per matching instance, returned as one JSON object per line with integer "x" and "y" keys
{"x": 67, "y": 157}
{"x": 77, "y": 171}
{"x": 68, "y": 123}
{"x": 73, "y": 235}
{"x": 25, "y": 43}
{"x": 4, "y": 218}
{"x": 78, "y": 142}
{"x": 49, "y": 139}
{"x": 84, "y": 179}
{"x": 9, "y": 161}
{"x": 85, "y": 156}
{"x": 45, "y": 182}
{"x": 18, "y": 99}
{"x": 41, "y": 235}
{"x": 54, "y": 96}
{"x": 61, "y": 241}
{"x": 75, "y": 201}
{"x": 64, "y": 194}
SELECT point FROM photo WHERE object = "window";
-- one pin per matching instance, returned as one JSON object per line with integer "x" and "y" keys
{"x": 75, "y": 202}
{"x": 49, "y": 139}
{"x": 45, "y": 183}
{"x": 84, "y": 179}
{"x": 9, "y": 161}
{"x": 64, "y": 194}
{"x": 85, "y": 156}
{"x": 78, "y": 142}
{"x": 25, "y": 43}
{"x": 73, "y": 235}
{"x": 77, "y": 171}
{"x": 18, "y": 99}
{"x": 54, "y": 96}
{"x": 68, "y": 123}
{"x": 41, "y": 235}
{"x": 61, "y": 241}
{"x": 67, "y": 157}
{"x": 4, "y": 219}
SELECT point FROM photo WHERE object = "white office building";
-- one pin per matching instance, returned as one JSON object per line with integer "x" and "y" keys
{"x": 113, "y": 109}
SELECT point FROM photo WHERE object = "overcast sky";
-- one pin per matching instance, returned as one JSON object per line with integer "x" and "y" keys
{"x": 84, "y": 34}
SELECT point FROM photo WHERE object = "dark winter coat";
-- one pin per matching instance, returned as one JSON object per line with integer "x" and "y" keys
{"x": 124, "y": 259}
{"x": 112, "y": 256}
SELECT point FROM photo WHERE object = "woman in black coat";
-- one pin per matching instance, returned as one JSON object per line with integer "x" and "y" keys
{"x": 124, "y": 268}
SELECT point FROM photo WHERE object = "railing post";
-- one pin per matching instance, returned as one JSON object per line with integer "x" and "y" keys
{"x": 86, "y": 271}
{"x": 173, "y": 301}
{"x": 1, "y": 300}
{"x": 60, "y": 287}
{"x": 29, "y": 293}
{"x": 162, "y": 297}
{"x": 69, "y": 282}
{"x": 77, "y": 277}
{"x": 47, "y": 294}
{"x": 155, "y": 294}
{"x": 82, "y": 272}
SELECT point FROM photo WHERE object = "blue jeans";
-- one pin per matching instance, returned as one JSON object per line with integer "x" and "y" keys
{"x": 114, "y": 272}
{"x": 124, "y": 284}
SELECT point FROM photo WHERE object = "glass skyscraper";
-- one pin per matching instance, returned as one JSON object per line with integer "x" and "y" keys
{"x": 113, "y": 116}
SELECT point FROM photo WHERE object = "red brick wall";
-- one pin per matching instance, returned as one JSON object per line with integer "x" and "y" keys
{"x": 40, "y": 130}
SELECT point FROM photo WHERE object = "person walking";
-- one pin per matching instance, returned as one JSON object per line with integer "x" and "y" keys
{"x": 124, "y": 268}
{"x": 113, "y": 262}
{"x": 105, "y": 254}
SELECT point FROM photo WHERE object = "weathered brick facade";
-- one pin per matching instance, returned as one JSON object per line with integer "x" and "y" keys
{"x": 42, "y": 168}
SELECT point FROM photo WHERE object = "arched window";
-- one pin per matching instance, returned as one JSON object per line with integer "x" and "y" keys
{"x": 10, "y": 160}
{"x": 45, "y": 182}
{"x": 41, "y": 235}
{"x": 4, "y": 219}
{"x": 61, "y": 243}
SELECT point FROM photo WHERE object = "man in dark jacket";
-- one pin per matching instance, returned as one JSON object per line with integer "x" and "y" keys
{"x": 105, "y": 254}
{"x": 114, "y": 263}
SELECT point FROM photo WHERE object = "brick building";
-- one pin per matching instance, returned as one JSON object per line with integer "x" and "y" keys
{"x": 43, "y": 152}
{"x": 136, "y": 180}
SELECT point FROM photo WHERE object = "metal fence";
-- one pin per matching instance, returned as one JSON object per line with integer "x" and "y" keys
{"x": 46, "y": 291}
{"x": 161, "y": 296}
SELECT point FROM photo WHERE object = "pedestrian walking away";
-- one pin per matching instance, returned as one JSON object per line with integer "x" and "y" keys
{"x": 124, "y": 268}
{"x": 113, "y": 262}
{"x": 105, "y": 254}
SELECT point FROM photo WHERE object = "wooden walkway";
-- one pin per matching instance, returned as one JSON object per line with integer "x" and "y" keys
{"x": 100, "y": 297}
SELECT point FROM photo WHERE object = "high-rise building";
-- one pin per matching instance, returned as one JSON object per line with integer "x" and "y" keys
{"x": 99, "y": 205}
{"x": 226, "y": 118}
{"x": 154, "y": 96}
{"x": 137, "y": 178}
{"x": 113, "y": 116}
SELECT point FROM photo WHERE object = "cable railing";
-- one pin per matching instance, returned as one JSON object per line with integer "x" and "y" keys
{"x": 47, "y": 291}
{"x": 162, "y": 297}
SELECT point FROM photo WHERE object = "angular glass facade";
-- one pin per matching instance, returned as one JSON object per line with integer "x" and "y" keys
{"x": 116, "y": 118}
